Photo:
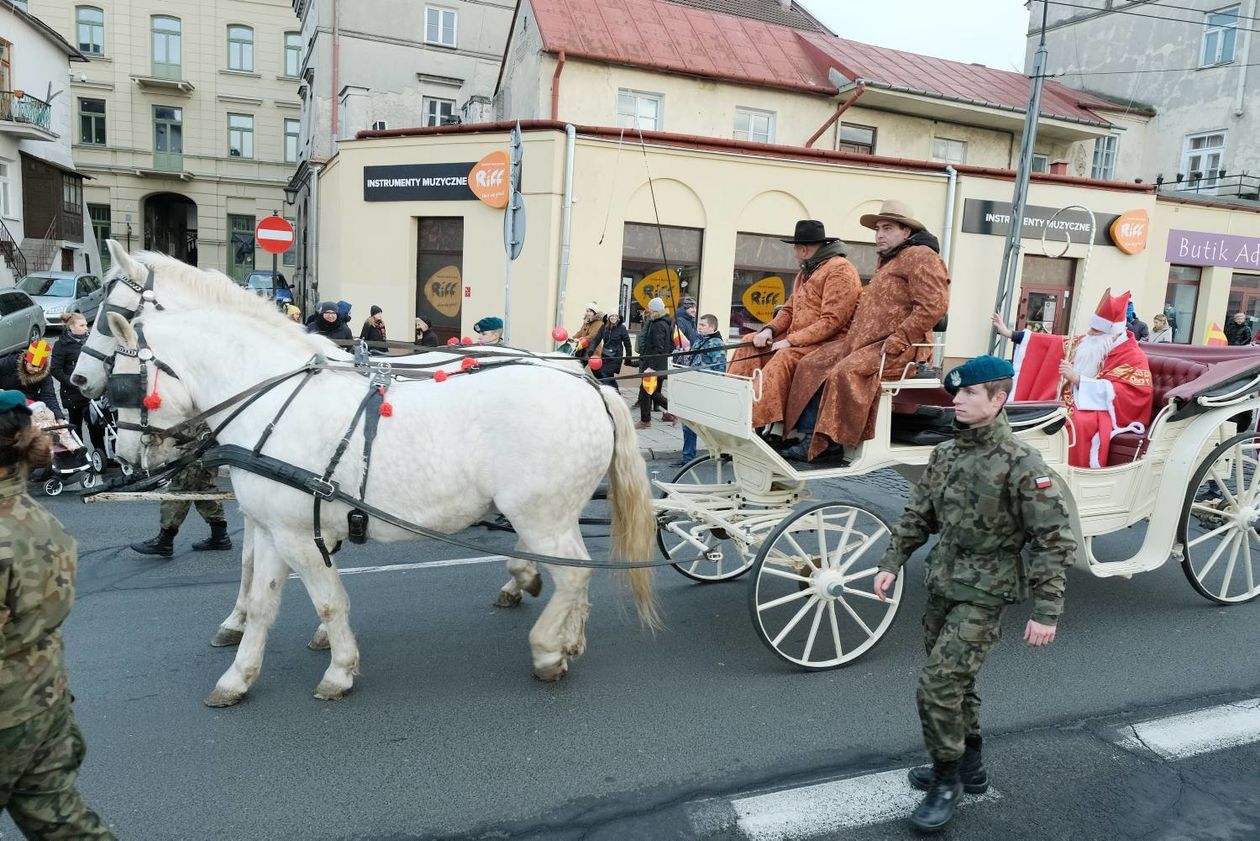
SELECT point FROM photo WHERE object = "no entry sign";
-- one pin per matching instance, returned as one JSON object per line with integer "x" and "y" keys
{"x": 274, "y": 234}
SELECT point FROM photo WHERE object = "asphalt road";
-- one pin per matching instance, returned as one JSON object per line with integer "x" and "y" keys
{"x": 447, "y": 735}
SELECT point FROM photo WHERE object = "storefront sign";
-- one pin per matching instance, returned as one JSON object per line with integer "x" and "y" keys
{"x": 659, "y": 284}
{"x": 418, "y": 182}
{"x": 1193, "y": 248}
{"x": 441, "y": 290}
{"x": 762, "y": 297}
{"x": 1130, "y": 231}
{"x": 489, "y": 179}
{"x": 981, "y": 216}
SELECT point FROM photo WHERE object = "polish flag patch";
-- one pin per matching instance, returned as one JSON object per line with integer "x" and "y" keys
{"x": 1043, "y": 482}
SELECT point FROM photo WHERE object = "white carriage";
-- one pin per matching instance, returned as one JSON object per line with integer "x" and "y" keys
{"x": 1193, "y": 480}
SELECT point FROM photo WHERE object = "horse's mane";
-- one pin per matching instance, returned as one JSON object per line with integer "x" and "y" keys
{"x": 217, "y": 291}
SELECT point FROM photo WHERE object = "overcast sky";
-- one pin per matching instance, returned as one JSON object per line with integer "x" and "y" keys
{"x": 988, "y": 31}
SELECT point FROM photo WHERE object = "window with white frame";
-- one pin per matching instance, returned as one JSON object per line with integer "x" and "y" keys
{"x": 855, "y": 138}
{"x": 636, "y": 109}
{"x": 752, "y": 124}
{"x": 292, "y": 130}
{"x": 292, "y": 53}
{"x": 5, "y": 208}
{"x": 1220, "y": 36}
{"x": 1040, "y": 163}
{"x": 439, "y": 26}
{"x": 1204, "y": 159}
{"x": 241, "y": 48}
{"x": 437, "y": 111}
{"x": 1105, "y": 158}
{"x": 949, "y": 151}
{"x": 240, "y": 136}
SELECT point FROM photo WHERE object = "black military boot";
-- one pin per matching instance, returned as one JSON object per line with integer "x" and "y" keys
{"x": 971, "y": 770}
{"x": 942, "y": 798}
{"x": 218, "y": 538}
{"x": 163, "y": 544}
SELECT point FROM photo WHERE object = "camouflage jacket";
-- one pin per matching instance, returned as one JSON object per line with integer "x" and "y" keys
{"x": 37, "y": 564}
{"x": 989, "y": 496}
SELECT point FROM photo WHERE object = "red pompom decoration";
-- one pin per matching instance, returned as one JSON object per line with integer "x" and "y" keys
{"x": 468, "y": 340}
{"x": 452, "y": 341}
{"x": 439, "y": 376}
{"x": 152, "y": 401}
{"x": 468, "y": 364}
{"x": 595, "y": 363}
{"x": 387, "y": 410}
{"x": 560, "y": 334}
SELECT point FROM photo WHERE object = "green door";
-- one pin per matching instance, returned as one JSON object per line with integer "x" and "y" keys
{"x": 168, "y": 138}
{"x": 240, "y": 256}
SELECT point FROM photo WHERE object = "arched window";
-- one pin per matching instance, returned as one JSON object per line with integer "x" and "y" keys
{"x": 168, "y": 49}
{"x": 240, "y": 48}
{"x": 90, "y": 29}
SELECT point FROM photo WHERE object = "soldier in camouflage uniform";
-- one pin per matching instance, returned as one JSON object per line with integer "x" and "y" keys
{"x": 41, "y": 747}
{"x": 196, "y": 478}
{"x": 990, "y": 497}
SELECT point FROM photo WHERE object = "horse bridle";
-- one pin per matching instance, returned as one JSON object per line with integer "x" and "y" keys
{"x": 146, "y": 293}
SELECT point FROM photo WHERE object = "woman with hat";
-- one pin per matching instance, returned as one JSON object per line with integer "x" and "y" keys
{"x": 586, "y": 337}
{"x": 374, "y": 327}
{"x": 425, "y": 337}
{"x": 30, "y": 372}
{"x": 39, "y": 737}
{"x": 824, "y": 295}
{"x": 327, "y": 323}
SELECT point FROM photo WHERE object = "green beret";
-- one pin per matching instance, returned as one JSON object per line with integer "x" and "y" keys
{"x": 982, "y": 369}
{"x": 487, "y": 324}
{"x": 13, "y": 400}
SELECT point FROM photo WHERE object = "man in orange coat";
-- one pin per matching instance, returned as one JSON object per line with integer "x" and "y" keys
{"x": 824, "y": 296}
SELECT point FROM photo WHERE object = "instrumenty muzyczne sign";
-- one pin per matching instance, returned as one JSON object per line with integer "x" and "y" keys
{"x": 418, "y": 182}
{"x": 981, "y": 216}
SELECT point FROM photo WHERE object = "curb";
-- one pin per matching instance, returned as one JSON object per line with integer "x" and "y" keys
{"x": 651, "y": 454}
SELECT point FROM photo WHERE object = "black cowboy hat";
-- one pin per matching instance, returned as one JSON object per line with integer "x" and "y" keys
{"x": 810, "y": 232}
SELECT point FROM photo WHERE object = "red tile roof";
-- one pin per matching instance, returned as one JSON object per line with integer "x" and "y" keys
{"x": 659, "y": 35}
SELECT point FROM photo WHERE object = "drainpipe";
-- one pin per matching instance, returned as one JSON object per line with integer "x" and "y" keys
{"x": 555, "y": 88}
{"x": 947, "y": 240}
{"x": 1242, "y": 65}
{"x": 857, "y": 92}
{"x": 570, "y": 148}
{"x": 336, "y": 75}
{"x": 312, "y": 267}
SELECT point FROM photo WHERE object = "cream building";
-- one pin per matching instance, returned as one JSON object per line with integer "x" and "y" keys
{"x": 186, "y": 119}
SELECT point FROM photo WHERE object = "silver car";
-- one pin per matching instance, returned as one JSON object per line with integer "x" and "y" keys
{"x": 21, "y": 320}
{"x": 59, "y": 292}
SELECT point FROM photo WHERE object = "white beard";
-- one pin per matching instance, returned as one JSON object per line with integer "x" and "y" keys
{"x": 1091, "y": 352}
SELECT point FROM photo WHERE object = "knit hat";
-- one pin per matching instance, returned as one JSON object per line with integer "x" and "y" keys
{"x": 13, "y": 399}
{"x": 982, "y": 369}
{"x": 490, "y": 322}
{"x": 327, "y": 306}
{"x": 375, "y": 310}
{"x": 595, "y": 308}
{"x": 656, "y": 305}
{"x": 687, "y": 302}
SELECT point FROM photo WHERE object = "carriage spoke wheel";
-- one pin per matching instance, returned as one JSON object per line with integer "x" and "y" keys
{"x": 725, "y": 557}
{"x": 1220, "y": 520}
{"x": 812, "y": 596}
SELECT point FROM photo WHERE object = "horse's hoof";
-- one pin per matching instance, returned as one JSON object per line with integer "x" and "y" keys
{"x": 553, "y": 673}
{"x": 534, "y": 587}
{"x": 328, "y": 691}
{"x": 575, "y": 649}
{"x": 227, "y": 637}
{"x": 319, "y": 642}
{"x": 223, "y": 698}
{"x": 506, "y": 599}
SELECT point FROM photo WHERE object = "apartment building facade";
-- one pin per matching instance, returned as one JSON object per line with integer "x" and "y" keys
{"x": 186, "y": 118}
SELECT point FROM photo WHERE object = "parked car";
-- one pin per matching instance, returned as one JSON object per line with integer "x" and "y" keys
{"x": 59, "y": 292}
{"x": 270, "y": 285}
{"x": 21, "y": 320}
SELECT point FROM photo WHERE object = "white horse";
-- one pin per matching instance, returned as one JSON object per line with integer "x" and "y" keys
{"x": 177, "y": 285}
{"x": 532, "y": 440}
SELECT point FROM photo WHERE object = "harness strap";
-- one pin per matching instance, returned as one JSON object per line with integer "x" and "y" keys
{"x": 271, "y": 427}
{"x": 325, "y": 480}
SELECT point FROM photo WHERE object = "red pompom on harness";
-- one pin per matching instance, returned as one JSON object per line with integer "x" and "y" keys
{"x": 152, "y": 401}
{"x": 468, "y": 364}
{"x": 387, "y": 408}
{"x": 439, "y": 376}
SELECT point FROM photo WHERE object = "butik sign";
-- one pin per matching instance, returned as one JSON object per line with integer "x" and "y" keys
{"x": 1193, "y": 248}
{"x": 981, "y": 216}
{"x": 486, "y": 179}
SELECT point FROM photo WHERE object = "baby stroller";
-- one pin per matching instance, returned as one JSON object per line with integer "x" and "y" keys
{"x": 100, "y": 413}
{"x": 70, "y": 461}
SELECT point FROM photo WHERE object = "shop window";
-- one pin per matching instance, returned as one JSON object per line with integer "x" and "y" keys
{"x": 855, "y": 138}
{"x": 756, "y": 126}
{"x": 636, "y": 109}
{"x": 440, "y": 275}
{"x": 90, "y": 26}
{"x": 1244, "y": 297}
{"x": 1181, "y": 300}
{"x": 1220, "y": 36}
{"x": 99, "y": 214}
{"x": 1045, "y": 294}
{"x": 949, "y": 151}
{"x": 764, "y": 269}
{"x": 439, "y": 26}
{"x": 659, "y": 261}
{"x": 241, "y": 48}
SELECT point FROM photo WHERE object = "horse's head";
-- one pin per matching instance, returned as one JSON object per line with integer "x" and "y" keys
{"x": 125, "y": 285}
{"x": 147, "y": 394}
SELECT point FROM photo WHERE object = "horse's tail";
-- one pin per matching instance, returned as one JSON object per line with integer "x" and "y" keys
{"x": 630, "y": 495}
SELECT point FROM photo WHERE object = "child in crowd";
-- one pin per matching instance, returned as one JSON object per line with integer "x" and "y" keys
{"x": 707, "y": 354}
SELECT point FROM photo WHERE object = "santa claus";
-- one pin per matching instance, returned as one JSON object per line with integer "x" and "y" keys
{"x": 1103, "y": 377}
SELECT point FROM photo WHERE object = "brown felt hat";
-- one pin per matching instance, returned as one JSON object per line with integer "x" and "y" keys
{"x": 893, "y": 211}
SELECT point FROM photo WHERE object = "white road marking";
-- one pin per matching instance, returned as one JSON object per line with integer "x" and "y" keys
{"x": 818, "y": 809}
{"x": 451, "y": 562}
{"x": 1201, "y": 731}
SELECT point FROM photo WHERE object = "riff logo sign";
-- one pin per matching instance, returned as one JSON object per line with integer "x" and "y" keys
{"x": 489, "y": 179}
{"x": 1131, "y": 230}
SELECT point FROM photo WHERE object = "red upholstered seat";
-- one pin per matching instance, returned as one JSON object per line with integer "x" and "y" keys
{"x": 1167, "y": 373}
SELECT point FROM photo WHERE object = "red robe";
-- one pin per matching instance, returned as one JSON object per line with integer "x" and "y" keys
{"x": 1117, "y": 400}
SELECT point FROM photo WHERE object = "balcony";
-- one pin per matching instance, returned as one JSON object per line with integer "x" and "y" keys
{"x": 24, "y": 116}
{"x": 1217, "y": 184}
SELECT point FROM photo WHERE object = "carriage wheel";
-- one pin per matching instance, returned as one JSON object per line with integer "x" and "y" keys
{"x": 726, "y": 558}
{"x": 1219, "y": 522}
{"x": 97, "y": 460}
{"x": 812, "y": 597}
{"x": 53, "y": 487}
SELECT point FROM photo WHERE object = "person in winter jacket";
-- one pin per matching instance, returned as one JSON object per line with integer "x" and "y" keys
{"x": 686, "y": 320}
{"x": 30, "y": 372}
{"x": 1135, "y": 325}
{"x": 614, "y": 344}
{"x": 656, "y": 343}
{"x": 1237, "y": 331}
{"x": 707, "y": 355}
{"x": 329, "y": 323}
{"x": 65, "y": 355}
{"x": 585, "y": 338}
{"x": 374, "y": 327}
{"x": 343, "y": 310}
{"x": 1161, "y": 331}
{"x": 425, "y": 337}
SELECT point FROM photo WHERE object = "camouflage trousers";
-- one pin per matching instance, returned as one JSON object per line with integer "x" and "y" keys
{"x": 194, "y": 477}
{"x": 958, "y": 637}
{"x": 42, "y": 756}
